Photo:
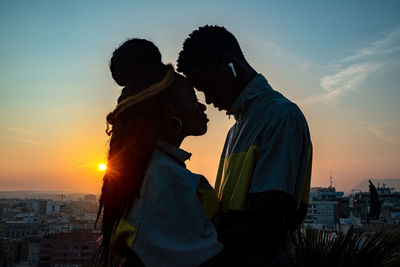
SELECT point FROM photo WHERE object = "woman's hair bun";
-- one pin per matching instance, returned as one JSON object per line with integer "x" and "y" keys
{"x": 131, "y": 58}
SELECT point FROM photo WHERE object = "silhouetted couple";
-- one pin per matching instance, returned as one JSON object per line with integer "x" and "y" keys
{"x": 158, "y": 213}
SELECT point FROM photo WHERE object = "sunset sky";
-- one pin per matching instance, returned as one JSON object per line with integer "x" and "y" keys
{"x": 338, "y": 60}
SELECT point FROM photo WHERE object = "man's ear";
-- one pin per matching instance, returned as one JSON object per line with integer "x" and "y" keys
{"x": 228, "y": 65}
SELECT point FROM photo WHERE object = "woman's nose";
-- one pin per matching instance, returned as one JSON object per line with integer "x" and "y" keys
{"x": 202, "y": 107}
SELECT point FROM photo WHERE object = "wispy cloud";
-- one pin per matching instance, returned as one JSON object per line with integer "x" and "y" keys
{"x": 20, "y": 131}
{"x": 389, "y": 124}
{"x": 349, "y": 73}
{"x": 82, "y": 166}
{"x": 277, "y": 51}
{"x": 24, "y": 133}
{"x": 274, "y": 50}
{"x": 348, "y": 78}
{"x": 25, "y": 140}
{"x": 380, "y": 134}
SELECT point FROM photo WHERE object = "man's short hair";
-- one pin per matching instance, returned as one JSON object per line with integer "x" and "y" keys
{"x": 205, "y": 47}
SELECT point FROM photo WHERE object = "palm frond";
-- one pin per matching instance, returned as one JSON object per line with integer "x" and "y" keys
{"x": 321, "y": 248}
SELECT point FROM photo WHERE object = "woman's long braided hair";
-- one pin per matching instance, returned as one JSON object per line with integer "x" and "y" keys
{"x": 136, "y": 64}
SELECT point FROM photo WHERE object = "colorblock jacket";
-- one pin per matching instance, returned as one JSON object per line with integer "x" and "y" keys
{"x": 268, "y": 149}
{"x": 167, "y": 225}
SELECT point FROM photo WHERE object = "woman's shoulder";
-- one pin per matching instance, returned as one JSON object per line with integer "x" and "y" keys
{"x": 166, "y": 170}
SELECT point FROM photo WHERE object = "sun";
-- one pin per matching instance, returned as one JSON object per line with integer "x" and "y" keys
{"x": 102, "y": 167}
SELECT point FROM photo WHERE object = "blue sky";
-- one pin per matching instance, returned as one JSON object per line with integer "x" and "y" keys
{"x": 338, "y": 60}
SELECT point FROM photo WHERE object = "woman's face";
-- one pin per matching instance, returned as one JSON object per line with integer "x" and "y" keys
{"x": 187, "y": 108}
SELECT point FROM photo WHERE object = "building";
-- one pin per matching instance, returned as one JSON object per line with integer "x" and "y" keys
{"x": 324, "y": 208}
{"x": 90, "y": 197}
{"x": 21, "y": 229}
{"x": 30, "y": 252}
{"x": 389, "y": 199}
{"x": 9, "y": 251}
{"x": 61, "y": 249}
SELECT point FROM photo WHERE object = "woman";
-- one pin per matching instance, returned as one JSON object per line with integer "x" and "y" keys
{"x": 152, "y": 205}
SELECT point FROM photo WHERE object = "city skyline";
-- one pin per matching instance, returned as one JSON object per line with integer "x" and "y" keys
{"x": 338, "y": 61}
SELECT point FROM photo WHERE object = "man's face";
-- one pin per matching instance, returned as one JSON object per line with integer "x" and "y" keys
{"x": 214, "y": 85}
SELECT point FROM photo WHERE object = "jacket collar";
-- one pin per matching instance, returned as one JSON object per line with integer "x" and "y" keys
{"x": 257, "y": 86}
{"x": 176, "y": 153}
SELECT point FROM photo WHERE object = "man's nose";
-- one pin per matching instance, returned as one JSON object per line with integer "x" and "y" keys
{"x": 208, "y": 100}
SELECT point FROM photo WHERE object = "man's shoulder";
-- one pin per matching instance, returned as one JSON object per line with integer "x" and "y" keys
{"x": 279, "y": 103}
{"x": 274, "y": 108}
{"x": 290, "y": 109}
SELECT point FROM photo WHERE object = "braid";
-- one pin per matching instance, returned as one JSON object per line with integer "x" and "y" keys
{"x": 136, "y": 64}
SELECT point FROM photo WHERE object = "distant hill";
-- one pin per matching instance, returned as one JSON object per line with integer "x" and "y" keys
{"x": 54, "y": 195}
{"x": 389, "y": 182}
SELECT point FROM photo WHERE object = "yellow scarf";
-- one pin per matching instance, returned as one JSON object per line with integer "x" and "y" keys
{"x": 145, "y": 94}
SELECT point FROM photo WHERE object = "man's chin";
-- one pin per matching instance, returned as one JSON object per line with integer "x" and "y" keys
{"x": 221, "y": 108}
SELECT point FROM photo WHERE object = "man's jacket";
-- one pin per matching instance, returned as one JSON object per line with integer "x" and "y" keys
{"x": 268, "y": 149}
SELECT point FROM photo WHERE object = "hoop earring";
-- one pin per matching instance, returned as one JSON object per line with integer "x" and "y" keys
{"x": 180, "y": 123}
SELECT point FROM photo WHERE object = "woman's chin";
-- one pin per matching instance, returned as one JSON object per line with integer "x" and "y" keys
{"x": 205, "y": 130}
{"x": 201, "y": 130}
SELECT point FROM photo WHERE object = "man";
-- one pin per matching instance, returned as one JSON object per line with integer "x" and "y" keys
{"x": 263, "y": 179}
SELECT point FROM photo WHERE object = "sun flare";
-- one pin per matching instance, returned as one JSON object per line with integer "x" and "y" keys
{"x": 102, "y": 167}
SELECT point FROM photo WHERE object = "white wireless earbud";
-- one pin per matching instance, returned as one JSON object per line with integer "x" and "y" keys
{"x": 230, "y": 64}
